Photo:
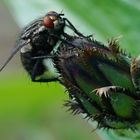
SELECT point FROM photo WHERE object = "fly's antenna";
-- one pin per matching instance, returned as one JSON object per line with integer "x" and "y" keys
{"x": 14, "y": 51}
{"x": 61, "y": 13}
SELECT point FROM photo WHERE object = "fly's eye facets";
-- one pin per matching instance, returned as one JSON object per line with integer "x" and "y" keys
{"x": 48, "y": 22}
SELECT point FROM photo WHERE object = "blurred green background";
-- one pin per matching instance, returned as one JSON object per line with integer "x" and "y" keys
{"x": 34, "y": 111}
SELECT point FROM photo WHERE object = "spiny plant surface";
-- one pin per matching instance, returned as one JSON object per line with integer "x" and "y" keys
{"x": 102, "y": 81}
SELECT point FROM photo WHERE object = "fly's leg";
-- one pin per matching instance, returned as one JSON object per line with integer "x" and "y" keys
{"x": 73, "y": 28}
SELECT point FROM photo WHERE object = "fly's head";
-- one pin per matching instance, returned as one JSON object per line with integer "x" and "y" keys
{"x": 53, "y": 20}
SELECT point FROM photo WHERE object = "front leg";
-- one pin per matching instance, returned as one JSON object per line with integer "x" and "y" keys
{"x": 71, "y": 26}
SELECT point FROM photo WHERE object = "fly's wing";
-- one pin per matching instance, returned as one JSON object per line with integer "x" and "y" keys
{"x": 14, "y": 51}
{"x": 31, "y": 28}
{"x": 24, "y": 39}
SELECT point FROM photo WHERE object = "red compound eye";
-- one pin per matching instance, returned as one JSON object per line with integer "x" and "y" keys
{"x": 48, "y": 22}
